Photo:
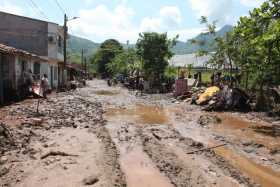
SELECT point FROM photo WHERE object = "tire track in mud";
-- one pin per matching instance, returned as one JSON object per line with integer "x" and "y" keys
{"x": 111, "y": 157}
{"x": 159, "y": 143}
{"x": 138, "y": 169}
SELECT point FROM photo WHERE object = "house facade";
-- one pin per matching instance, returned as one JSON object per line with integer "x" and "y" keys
{"x": 14, "y": 63}
{"x": 44, "y": 39}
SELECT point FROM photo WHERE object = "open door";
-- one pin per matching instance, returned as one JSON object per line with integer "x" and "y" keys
{"x": 1, "y": 81}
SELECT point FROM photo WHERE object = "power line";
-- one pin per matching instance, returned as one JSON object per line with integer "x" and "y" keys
{"x": 38, "y": 8}
{"x": 33, "y": 8}
{"x": 60, "y": 7}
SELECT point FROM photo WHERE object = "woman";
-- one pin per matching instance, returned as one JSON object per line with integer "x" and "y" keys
{"x": 45, "y": 85}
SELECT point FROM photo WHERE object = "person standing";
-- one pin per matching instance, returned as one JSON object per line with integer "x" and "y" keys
{"x": 45, "y": 85}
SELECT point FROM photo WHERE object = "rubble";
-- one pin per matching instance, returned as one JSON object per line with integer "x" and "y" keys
{"x": 227, "y": 99}
{"x": 204, "y": 120}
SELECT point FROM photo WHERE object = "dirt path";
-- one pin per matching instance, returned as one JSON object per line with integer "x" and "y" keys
{"x": 113, "y": 138}
{"x": 71, "y": 130}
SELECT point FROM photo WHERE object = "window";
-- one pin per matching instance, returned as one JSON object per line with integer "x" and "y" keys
{"x": 5, "y": 66}
{"x": 60, "y": 44}
{"x": 59, "y": 41}
{"x": 23, "y": 66}
{"x": 37, "y": 68}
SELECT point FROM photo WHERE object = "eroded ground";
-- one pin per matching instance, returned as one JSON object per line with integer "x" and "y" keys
{"x": 113, "y": 138}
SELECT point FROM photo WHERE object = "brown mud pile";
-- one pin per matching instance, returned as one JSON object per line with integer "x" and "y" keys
{"x": 34, "y": 134}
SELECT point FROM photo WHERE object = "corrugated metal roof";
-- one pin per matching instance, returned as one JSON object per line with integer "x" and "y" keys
{"x": 184, "y": 60}
{"x": 12, "y": 50}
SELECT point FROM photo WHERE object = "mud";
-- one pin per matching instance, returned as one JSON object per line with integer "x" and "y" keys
{"x": 141, "y": 114}
{"x": 186, "y": 170}
{"x": 66, "y": 123}
{"x": 106, "y": 93}
{"x": 120, "y": 139}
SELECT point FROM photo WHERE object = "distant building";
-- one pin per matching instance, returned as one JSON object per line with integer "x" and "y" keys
{"x": 185, "y": 60}
{"x": 44, "y": 39}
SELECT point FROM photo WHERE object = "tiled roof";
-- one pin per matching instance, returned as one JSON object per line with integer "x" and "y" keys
{"x": 12, "y": 50}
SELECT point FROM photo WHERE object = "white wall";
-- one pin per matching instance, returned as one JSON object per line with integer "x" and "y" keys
{"x": 54, "y": 31}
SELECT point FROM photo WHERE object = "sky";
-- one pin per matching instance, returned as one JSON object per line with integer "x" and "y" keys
{"x": 125, "y": 19}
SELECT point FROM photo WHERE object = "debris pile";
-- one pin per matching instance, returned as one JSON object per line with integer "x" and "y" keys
{"x": 229, "y": 99}
{"x": 6, "y": 138}
{"x": 64, "y": 110}
{"x": 218, "y": 99}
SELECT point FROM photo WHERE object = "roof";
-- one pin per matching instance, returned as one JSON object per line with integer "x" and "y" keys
{"x": 38, "y": 20}
{"x": 50, "y": 59}
{"x": 12, "y": 50}
{"x": 185, "y": 60}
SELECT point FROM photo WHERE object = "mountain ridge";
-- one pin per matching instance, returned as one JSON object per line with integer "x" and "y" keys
{"x": 76, "y": 44}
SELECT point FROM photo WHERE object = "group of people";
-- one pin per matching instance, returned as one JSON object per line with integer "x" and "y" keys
{"x": 29, "y": 80}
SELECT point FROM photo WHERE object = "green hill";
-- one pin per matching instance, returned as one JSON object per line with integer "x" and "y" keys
{"x": 188, "y": 47}
{"x": 76, "y": 44}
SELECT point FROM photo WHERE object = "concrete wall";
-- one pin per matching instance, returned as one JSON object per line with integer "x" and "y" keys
{"x": 24, "y": 33}
{"x": 51, "y": 71}
{"x": 45, "y": 68}
{"x": 55, "y": 44}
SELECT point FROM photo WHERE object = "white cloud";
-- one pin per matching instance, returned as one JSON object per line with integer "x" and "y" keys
{"x": 101, "y": 23}
{"x": 251, "y": 3}
{"x": 8, "y": 7}
{"x": 169, "y": 18}
{"x": 215, "y": 10}
{"x": 185, "y": 34}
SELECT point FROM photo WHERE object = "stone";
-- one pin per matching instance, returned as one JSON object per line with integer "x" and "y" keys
{"x": 90, "y": 180}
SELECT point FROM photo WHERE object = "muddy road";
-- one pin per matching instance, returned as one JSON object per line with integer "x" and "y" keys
{"x": 108, "y": 136}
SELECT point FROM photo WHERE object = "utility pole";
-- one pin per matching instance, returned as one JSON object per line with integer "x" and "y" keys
{"x": 86, "y": 66}
{"x": 82, "y": 58}
{"x": 64, "y": 48}
{"x": 65, "y": 33}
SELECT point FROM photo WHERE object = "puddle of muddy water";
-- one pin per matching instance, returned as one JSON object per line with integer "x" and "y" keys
{"x": 139, "y": 170}
{"x": 244, "y": 130}
{"x": 142, "y": 114}
{"x": 265, "y": 176}
{"x": 106, "y": 93}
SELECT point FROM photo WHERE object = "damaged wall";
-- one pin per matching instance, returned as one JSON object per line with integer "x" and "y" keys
{"x": 24, "y": 33}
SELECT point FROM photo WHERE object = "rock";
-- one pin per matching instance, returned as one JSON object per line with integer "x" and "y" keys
{"x": 247, "y": 143}
{"x": 3, "y": 160}
{"x": 4, "y": 171}
{"x": 208, "y": 119}
{"x": 90, "y": 180}
{"x": 274, "y": 151}
{"x": 37, "y": 121}
{"x": 264, "y": 159}
{"x": 249, "y": 150}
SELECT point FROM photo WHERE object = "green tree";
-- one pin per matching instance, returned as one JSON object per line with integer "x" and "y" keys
{"x": 154, "y": 49}
{"x": 124, "y": 63}
{"x": 257, "y": 39}
{"x": 105, "y": 55}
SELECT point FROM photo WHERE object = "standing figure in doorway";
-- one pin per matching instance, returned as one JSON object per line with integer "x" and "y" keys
{"x": 45, "y": 85}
